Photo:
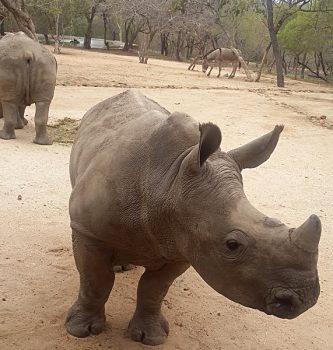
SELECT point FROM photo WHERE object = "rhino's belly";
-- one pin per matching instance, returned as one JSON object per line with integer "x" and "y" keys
{"x": 126, "y": 247}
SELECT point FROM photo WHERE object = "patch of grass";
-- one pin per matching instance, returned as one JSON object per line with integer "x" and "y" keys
{"x": 64, "y": 130}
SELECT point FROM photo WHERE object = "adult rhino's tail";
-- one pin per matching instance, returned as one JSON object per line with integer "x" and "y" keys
{"x": 27, "y": 60}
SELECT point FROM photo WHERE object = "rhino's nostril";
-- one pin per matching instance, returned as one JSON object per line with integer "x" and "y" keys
{"x": 285, "y": 303}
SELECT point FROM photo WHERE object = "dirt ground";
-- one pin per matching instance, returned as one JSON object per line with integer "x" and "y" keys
{"x": 38, "y": 279}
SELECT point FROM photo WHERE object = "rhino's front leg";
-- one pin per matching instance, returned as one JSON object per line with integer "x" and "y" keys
{"x": 93, "y": 261}
{"x": 148, "y": 325}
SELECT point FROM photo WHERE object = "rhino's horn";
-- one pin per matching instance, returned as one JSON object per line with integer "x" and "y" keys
{"x": 307, "y": 236}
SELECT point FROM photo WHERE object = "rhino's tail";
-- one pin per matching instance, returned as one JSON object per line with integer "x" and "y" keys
{"x": 27, "y": 60}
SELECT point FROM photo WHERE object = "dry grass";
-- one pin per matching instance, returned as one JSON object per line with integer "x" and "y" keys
{"x": 64, "y": 130}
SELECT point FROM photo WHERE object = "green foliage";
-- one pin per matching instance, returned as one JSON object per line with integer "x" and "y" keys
{"x": 307, "y": 32}
{"x": 71, "y": 14}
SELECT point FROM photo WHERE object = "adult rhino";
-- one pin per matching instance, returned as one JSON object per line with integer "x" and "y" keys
{"x": 27, "y": 75}
{"x": 154, "y": 189}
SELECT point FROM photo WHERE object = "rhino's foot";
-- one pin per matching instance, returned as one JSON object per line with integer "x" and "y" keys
{"x": 122, "y": 268}
{"x": 150, "y": 330}
{"x": 81, "y": 324}
{"x": 43, "y": 140}
{"x": 7, "y": 135}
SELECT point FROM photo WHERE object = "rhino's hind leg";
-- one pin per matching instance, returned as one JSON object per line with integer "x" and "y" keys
{"x": 21, "y": 112}
{"x": 21, "y": 121}
{"x": 41, "y": 117}
{"x": 148, "y": 325}
{"x": 10, "y": 112}
{"x": 87, "y": 315}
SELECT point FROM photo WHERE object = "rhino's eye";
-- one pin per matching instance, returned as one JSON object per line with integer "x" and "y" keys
{"x": 232, "y": 244}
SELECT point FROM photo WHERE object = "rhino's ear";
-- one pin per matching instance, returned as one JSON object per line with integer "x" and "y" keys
{"x": 258, "y": 151}
{"x": 210, "y": 140}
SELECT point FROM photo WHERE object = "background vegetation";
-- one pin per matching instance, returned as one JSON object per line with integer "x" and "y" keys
{"x": 299, "y": 31}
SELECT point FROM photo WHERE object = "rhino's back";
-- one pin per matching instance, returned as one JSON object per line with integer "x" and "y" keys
{"x": 115, "y": 127}
{"x": 24, "y": 61}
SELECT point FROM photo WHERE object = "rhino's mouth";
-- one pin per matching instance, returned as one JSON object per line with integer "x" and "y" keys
{"x": 284, "y": 304}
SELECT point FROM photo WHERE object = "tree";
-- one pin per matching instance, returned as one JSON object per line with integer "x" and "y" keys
{"x": 3, "y": 15}
{"x": 275, "y": 44}
{"x": 91, "y": 7}
{"x": 310, "y": 33}
{"x": 22, "y": 18}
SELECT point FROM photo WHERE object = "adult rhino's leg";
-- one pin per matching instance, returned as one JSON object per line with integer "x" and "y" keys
{"x": 10, "y": 112}
{"x": 21, "y": 121}
{"x": 93, "y": 261}
{"x": 148, "y": 325}
{"x": 1, "y": 114}
{"x": 41, "y": 117}
{"x": 21, "y": 111}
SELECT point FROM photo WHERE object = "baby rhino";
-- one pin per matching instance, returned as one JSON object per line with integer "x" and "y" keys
{"x": 153, "y": 188}
{"x": 27, "y": 75}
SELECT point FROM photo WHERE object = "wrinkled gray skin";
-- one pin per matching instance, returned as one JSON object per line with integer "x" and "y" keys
{"x": 27, "y": 75}
{"x": 219, "y": 56}
{"x": 154, "y": 189}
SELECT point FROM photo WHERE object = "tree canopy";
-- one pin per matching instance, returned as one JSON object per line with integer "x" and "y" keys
{"x": 188, "y": 28}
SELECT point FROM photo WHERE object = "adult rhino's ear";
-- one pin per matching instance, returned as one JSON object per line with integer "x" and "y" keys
{"x": 210, "y": 140}
{"x": 258, "y": 151}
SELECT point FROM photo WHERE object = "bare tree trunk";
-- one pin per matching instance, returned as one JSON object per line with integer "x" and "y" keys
{"x": 87, "y": 36}
{"x": 120, "y": 32}
{"x": 128, "y": 25}
{"x": 2, "y": 26}
{"x": 303, "y": 65}
{"x": 263, "y": 62}
{"x": 56, "y": 37}
{"x": 190, "y": 46}
{"x": 179, "y": 46}
{"x": 164, "y": 44}
{"x": 284, "y": 64}
{"x": 271, "y": 66}
{"x": 296, "y": 59}
{"x": 130, "y": 34}
{"x": 46, "y": 37}
{"x": 321, "y": 60}
{"x": 22, "y": 18}
{"x": 275, "y": 44}
{"x": 105, "y": 22}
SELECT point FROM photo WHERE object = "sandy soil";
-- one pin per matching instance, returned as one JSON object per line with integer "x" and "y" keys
{"x": 38, "y": 279}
